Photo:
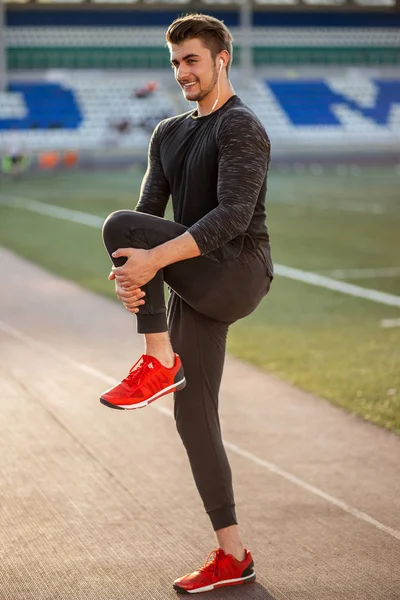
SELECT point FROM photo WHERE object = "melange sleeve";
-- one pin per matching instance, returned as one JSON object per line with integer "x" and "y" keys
{"x": 155, "y": 190}
{"x": 244, "y": 152}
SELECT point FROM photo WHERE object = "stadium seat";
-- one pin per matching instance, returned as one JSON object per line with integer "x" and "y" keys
{"x": 81, "y": 112}
{"x": 87, "y": 111}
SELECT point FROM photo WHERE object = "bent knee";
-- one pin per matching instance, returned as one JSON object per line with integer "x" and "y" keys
{"x": 126, "y": 220}
{"x": 126, "y": 229}
{"x": 116, "y": 222}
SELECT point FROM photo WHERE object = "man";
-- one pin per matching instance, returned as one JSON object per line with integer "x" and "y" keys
{"x": 215, "y": 258}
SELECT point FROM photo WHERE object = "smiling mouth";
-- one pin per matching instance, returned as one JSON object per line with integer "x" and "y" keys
{"x": 187, "y": 86}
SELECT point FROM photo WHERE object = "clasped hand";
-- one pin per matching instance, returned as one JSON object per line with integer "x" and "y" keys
{"x": 138, "y": 270}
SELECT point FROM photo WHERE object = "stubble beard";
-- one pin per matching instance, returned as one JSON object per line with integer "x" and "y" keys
{"x": 203, "y": 93}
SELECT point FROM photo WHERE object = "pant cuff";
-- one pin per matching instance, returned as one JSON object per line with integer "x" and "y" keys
{"x": 223, "y": 517}
{"x": 152, "y": 323}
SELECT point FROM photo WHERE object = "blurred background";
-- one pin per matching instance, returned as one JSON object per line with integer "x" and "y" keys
{"x": 82, "y": 85}
{"x": 91, "y": 75}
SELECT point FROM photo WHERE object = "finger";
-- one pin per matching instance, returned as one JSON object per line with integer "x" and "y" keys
{"x": 134, "y": 294}
{"x": 122, "y": 252}
{"x": 111, "y": 276}
{"x": 128, "y": 294}
{"x": 131, "y": 310}
{"x": 134, "y": 290}
{"x": 125, "y": 280}
{"x": 118, "y": 271}
{"x": 131, "y": 303}
{"x": 129, "y": 287}
{"x": 135, "y": 301}
{"x": 131, "y": 300}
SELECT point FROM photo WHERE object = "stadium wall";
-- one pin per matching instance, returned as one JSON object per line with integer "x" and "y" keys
{"x": 134, "y": 39}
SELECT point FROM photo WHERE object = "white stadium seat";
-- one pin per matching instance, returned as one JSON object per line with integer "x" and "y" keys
{"x": 106, "y": 99}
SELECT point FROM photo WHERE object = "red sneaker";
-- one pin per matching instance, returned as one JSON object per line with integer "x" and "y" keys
{"x": 147, "y": 380}
{"x": 220, "y": 569}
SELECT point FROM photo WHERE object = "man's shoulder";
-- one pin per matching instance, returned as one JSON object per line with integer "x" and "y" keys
{"x": 239, "y": 116}
{"x": 239, "y": 111}
{"x": 169, "y": 122}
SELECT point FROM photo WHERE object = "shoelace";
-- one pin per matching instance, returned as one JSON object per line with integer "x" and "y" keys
{"x": 211, "y": 564}
{"x": 141, "y": 370}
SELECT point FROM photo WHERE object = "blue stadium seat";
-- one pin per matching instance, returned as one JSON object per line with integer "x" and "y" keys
{"x": 49, "y": 106}
{"x": 311, "y": 102}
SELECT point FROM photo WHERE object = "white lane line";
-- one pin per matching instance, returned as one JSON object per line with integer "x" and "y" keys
{"x": 289, "y": 272}
{"x": 354, "y": 207}
{"x": 390, "y": 323}
{"x": 364, "y": 273}
{"x": 337, "y": 286}
{"x": 269, "y": 466}
{"x": 50, "y": 210}
{"x": 359, "y": 514}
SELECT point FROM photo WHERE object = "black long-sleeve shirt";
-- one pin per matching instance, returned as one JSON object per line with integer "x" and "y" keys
{"x": 215, "y": 167}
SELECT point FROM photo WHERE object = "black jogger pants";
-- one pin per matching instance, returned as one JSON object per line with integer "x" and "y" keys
{"x": 207, "y": 295}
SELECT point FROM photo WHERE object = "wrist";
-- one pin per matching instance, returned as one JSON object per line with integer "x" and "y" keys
{"x": 156, "y": 258}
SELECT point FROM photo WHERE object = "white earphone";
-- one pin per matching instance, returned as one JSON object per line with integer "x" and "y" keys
{"x": 221, "y": 64}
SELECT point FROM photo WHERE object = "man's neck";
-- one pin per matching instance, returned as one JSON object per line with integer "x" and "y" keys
{"x": 205, "y": 107}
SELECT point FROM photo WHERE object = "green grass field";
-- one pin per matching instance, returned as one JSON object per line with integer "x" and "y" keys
{"x": 323, "y": 341}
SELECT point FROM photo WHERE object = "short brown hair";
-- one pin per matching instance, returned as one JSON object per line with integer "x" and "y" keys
{"x": 214, "y": 33}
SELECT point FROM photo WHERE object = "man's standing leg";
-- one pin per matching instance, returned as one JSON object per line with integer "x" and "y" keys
{"x": 201, "y": 344}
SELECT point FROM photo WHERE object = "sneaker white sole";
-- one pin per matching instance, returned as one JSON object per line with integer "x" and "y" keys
{"x": 214, "y": 586}
{"x": 179, "y": 385}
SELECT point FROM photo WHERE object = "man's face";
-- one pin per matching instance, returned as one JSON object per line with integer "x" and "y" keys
{"x": 194, "y": 69}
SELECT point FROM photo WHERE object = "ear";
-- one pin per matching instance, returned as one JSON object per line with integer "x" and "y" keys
{"x": 224, "y": 59}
